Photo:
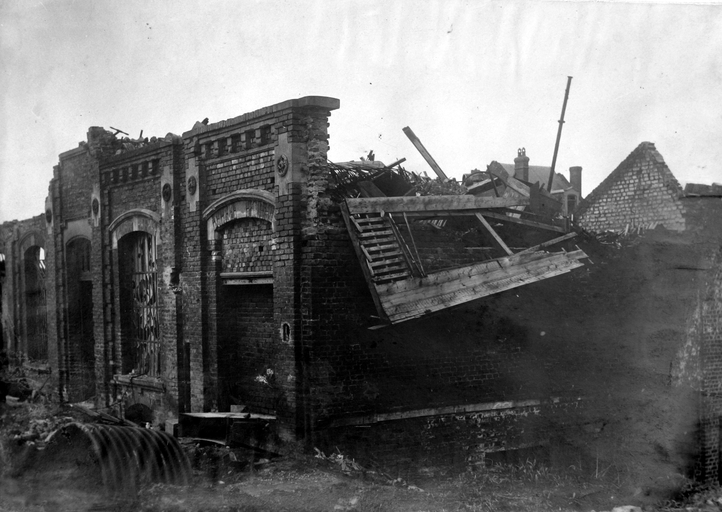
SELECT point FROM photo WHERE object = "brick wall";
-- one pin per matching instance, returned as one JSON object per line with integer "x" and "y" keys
{"x": 709, "y": 337}
{"x": 640, "y": 192}
{"x": 242, "y": 204}
{"x": 24, "y": 315}
{"x": 247, "y": 246}
{"x": 139, "y": 192}
{"x": 246, "y": 335}
{"x": 404, "y": 446}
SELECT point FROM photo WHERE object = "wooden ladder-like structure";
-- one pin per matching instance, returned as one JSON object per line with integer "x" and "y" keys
{"x": 378, "y": 242}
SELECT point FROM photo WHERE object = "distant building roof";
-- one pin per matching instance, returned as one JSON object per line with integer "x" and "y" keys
{"x": 540, "y": 174}
{"x": 646, "y": 150}
{"x": 701, "y": 190}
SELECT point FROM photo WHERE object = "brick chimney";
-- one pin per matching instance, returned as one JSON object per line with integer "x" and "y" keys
{"x": 575, "y": 178}
{"x": 521, "y": 165}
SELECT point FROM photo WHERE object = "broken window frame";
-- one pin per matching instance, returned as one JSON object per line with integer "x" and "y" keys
{"x": 141, "y": 317}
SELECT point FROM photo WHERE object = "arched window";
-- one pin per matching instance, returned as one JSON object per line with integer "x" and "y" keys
{"x": 140, "y": 323}
{"x": 35, "y": 308}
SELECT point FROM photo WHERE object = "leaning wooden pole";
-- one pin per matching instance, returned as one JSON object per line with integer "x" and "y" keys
{"x": 427, "y": 156}
{"x": 559, "y": 135}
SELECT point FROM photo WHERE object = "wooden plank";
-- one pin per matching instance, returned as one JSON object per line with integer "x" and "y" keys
{"x": 430, "y": 203}
{"x": 387, "y": 269}
{"x": 427, "y": 156}
{"x": 422, "y": 288}
{"x": 367, "y": 221}
{"x": 524, "y": 222}
{"x": 377, "y": 234}
{"x": 400, "y": 275}
{"x": 494, "y": 234}
{"x": 492, "y": 179}
{"x": 442, "y": 276}
{"x": 368, "y": 189}
{"x": 464, "y": 292}
{"x": 383, "y": 249}
{"x": 548, "y": 243}
{"x": 386, "y": 262}
{"x": 514, "y": 184}
{"x": 377, "y": 223}
{"x": 373, "y": 253}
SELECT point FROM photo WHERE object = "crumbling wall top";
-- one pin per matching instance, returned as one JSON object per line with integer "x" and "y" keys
{"x": 322, "y": 102}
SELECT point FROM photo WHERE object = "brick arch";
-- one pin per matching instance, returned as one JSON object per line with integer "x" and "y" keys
{"x": 31, "y": 239}
{"x": 134, "y": 220}
{"x": 241, "y": 204}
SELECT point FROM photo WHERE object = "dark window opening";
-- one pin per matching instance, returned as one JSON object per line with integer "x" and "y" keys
{"x": 571, "y": 204}
{"x": 249, "y": 135}
{"x": 265, "y": 135}
{"x": 286, "y": 332}
{"x": 140, "y": 323}
{"x": 79, "y": 325}
{"x": 35, "y": 308}
{"x": 236, "y": 143}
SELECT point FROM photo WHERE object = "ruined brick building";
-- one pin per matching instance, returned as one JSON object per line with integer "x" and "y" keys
{"x": 215, "y": 269}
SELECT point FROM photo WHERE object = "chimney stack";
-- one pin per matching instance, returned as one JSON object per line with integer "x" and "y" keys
{"x": 521, "y": 165}
{"x": 575, "y": 178}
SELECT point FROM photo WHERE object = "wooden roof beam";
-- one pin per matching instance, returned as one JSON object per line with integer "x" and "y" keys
{"x": 412, "y": 204}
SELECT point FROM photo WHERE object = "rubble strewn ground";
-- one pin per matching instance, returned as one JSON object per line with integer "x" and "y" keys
{"x": 233, "y": 480}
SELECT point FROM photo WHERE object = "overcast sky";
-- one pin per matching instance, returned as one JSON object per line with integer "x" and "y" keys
{"x": 475, "y": 80}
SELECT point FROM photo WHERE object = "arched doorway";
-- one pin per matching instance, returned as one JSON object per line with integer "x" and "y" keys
{"x": 241, "y": 234}
{"x": 79, "y": 320}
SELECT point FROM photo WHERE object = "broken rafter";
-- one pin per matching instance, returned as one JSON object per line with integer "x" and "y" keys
{"x": 524, "y": 222}
{"x": 548, "y": 243}
{"x": 494, "y": 233}
{"x": 431, "y": 203}
{"x": 427, "y": 156}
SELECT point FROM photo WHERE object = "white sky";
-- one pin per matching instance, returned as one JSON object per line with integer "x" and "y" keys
{"x": 475, "y": 80}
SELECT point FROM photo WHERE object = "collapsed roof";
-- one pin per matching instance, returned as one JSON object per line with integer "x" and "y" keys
{"x": 428, "y": 244}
